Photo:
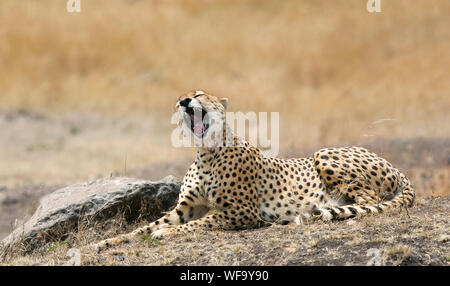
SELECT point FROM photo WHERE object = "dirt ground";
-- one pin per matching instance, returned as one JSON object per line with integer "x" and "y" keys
{"x": 419, "y": 237}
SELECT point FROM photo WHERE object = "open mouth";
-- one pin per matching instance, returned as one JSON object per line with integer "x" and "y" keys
{"x": 196, "y": 121}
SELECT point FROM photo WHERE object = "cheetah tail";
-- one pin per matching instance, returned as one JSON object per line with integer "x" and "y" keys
{"x": 404, "y": 197}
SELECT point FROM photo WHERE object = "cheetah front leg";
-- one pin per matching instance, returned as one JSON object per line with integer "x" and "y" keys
{"x": 221, "y": 220}
{"x": 190, "y": 208}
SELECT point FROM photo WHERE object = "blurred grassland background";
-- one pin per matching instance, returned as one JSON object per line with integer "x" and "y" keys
{"x": 86, "y": 94}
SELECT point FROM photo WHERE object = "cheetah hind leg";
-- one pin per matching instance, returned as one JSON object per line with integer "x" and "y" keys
{"x": 368, "y": 202}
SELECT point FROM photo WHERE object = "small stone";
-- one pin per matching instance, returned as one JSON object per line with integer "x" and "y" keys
{"x": 290, "y": 249}
{"x": 443, "y": 238}
{"x": 351, "y": 222}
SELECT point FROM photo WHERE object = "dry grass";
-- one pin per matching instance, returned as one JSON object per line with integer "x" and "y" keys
{"x": 335, "y": 72}
{"x": 420, "y": 239}
{"x": 295, "y": 57}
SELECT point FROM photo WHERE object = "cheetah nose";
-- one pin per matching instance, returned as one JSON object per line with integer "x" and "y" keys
{"x": 185, "y": 102}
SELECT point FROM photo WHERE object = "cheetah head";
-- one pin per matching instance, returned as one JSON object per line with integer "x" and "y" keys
{"x": 200, "y": 112}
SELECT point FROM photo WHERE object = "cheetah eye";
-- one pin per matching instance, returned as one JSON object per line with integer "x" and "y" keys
{"x": 198, "y": 93}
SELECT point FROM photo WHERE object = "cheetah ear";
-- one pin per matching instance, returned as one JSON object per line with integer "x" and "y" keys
{"x": 224, "y": 102}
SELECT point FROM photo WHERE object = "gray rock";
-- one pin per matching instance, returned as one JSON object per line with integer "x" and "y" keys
{"x": 98, "y": 200}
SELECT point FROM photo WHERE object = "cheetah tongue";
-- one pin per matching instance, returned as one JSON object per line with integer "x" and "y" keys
{"x": 198, "y": 127}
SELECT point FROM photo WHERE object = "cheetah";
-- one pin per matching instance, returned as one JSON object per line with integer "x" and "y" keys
{"x": 231, "y": 185}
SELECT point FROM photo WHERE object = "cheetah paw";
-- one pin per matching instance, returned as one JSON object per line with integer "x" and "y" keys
{"x": 163, "y": 232}
{"x": 107, "y": 243}
{"x": 101, "y": 246}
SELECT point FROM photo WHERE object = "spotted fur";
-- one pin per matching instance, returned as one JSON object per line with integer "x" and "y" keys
{"x": 237, "y": 187}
